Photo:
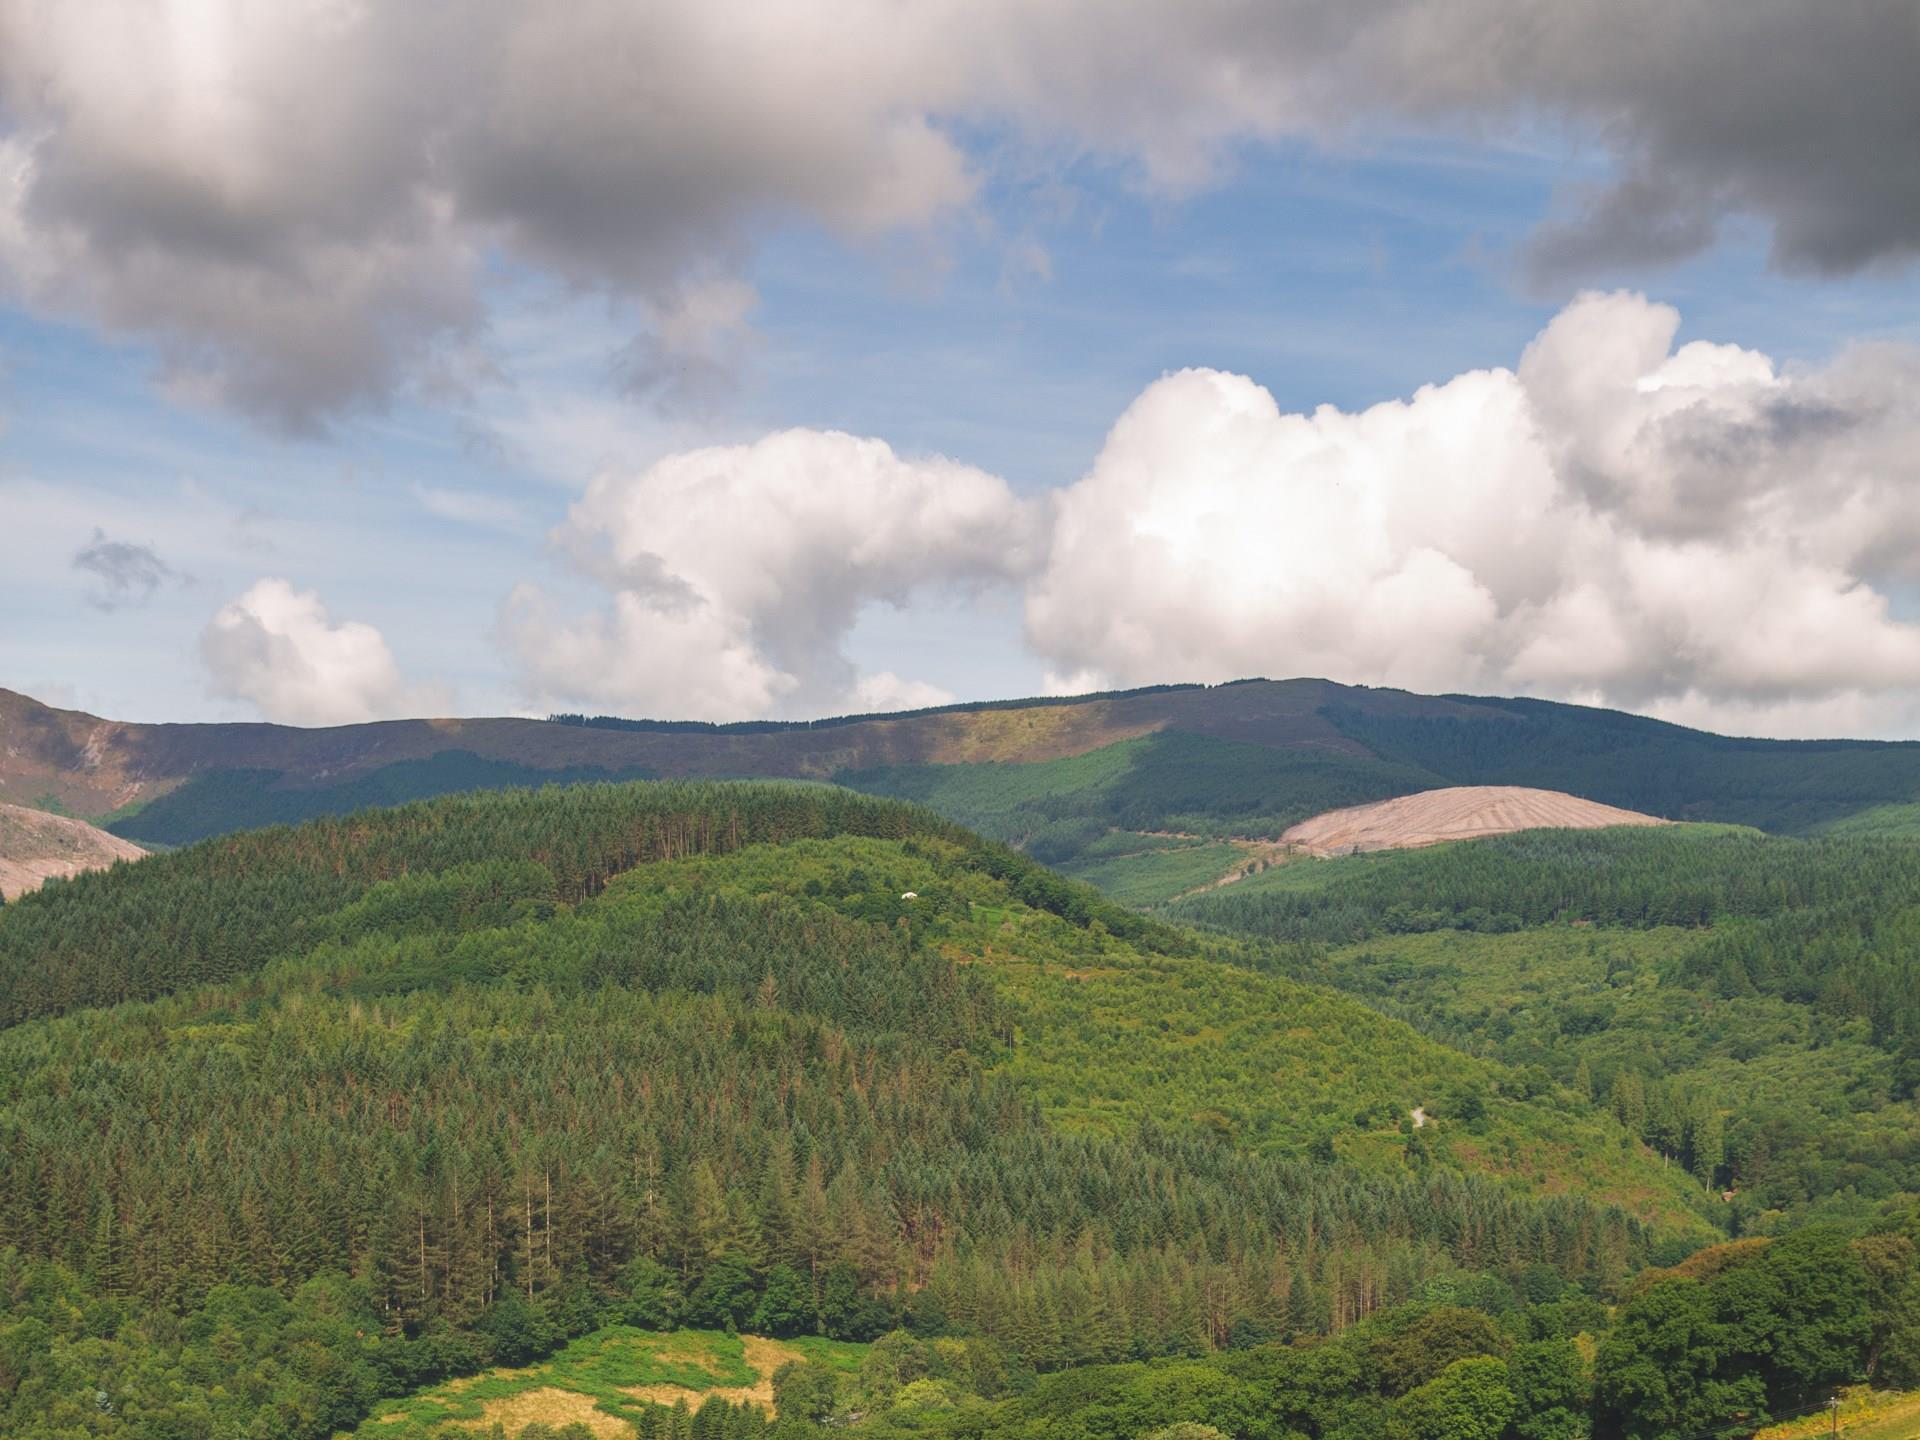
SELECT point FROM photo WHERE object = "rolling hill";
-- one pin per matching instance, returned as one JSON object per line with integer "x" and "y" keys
{"x": 1102, "y": 998}
{"x": 303, "y": 1118}
{"x": 558, "y": 1105}
{"x": 1749, "y": 1004}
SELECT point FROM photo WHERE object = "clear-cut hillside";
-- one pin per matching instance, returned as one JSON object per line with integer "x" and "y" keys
{"x": 1460, "y": 812}
{"x": 36, "y": 846}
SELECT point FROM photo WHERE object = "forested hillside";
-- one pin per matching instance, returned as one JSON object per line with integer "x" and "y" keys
{"x": 1131, "y": 799}
{"x": 1749, "y": 1005}
{"x": 1790, "y": 786}
{"x": 1059, "y": 810}
{"x": 1711, "y": 1348}
{"x": 457, "y": 1081}
{"x": 1068, "y": 776}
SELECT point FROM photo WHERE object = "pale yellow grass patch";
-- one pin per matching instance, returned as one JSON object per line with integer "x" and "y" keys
{"x": 1865, "y": 1414}
{"x": 763, "y": 1357}
{"x": 550, "y": 1405}
{"x": 1046, "y": 732}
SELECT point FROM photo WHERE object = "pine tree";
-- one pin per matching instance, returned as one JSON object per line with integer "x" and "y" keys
{"x": 1709, "y": 1142}
{"x": 1630, "y": 1102}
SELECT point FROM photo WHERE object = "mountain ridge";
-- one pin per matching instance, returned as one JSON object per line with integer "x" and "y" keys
{"x": 1325, "y": 745}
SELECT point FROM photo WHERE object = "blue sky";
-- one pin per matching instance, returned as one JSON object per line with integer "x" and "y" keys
{"x": 1008, "y": 332}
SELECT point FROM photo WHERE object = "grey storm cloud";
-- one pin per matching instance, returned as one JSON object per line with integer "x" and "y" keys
{"x": 1804, "y": 116}
{"x": 121, "y": 574}
{"x": 297, "y": 205}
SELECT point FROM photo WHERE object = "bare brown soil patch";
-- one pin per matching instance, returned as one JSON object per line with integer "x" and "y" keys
{"x": 1460, "y": 812}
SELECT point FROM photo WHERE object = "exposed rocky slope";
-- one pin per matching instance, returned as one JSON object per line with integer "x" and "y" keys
{"x": 36, "y": 846}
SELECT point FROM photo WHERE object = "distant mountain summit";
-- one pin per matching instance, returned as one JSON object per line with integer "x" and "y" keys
{"x": 36, "y": 846}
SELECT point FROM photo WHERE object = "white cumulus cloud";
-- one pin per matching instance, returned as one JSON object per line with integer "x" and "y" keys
{"x": 277, "y": 647}
{"x": 736, "y": 573}
{"x": 1690, "y": 531}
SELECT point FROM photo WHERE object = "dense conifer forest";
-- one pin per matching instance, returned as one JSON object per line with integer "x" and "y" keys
{"x": 1789, "y": 786}
{"x": 301, "y": 1120}
{"x": 1748, "y": 1005}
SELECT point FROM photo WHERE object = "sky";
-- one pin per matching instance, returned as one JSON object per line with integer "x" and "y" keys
{"x": 782, "y": 358}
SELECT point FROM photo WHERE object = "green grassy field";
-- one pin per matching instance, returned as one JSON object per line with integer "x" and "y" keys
{"x": 1300, "y": 874}
{"x": 1864, "y": 1414}
{"x": 1144, "y": 872}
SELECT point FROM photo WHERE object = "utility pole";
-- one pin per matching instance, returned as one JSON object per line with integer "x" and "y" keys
{"x": 1833, "y": 1406}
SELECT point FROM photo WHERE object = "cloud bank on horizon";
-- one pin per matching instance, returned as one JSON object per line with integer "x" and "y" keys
{"x": 1688, "y": 532}
{"x": 307, "y": 213}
